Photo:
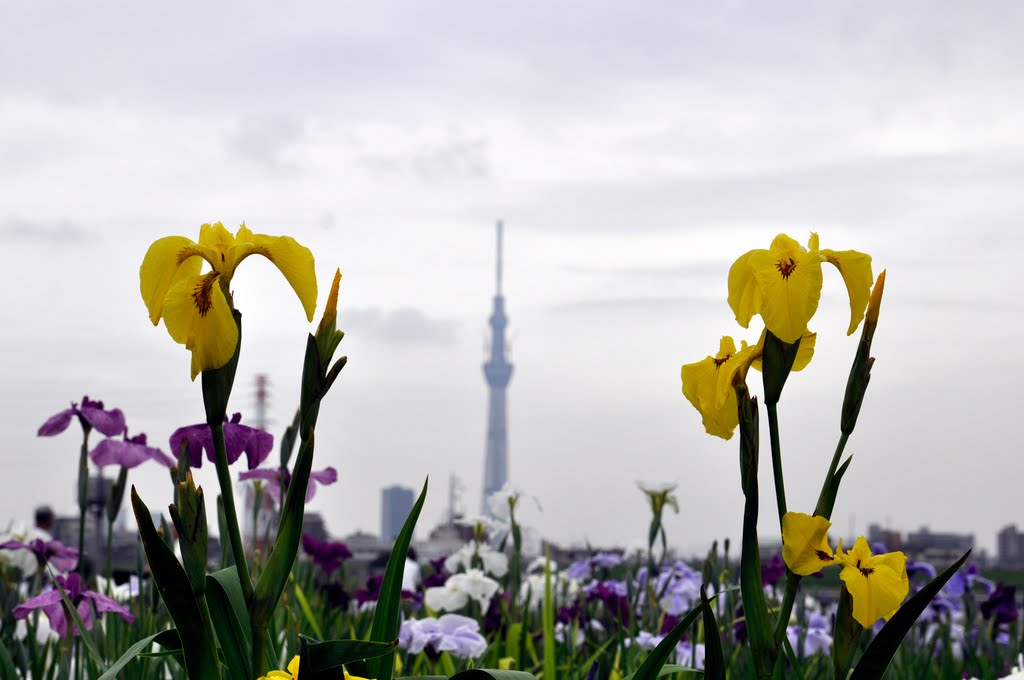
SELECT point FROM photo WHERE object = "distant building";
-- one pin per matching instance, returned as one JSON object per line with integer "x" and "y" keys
{"x": 890, "y": 538}
{"x": 395, "y": 506}
{"x": 937, "y": 548}
{"x": 1010, "y": 547}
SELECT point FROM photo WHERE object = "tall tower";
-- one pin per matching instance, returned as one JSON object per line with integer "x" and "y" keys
{"x": 497, "y": 371}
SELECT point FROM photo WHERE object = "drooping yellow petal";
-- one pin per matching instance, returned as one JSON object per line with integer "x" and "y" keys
{"x": 744, "y": 294}
{"x": 198, "y": 315}
{"x": 856, "y": 271}
{"x": 700, "y": 387}
{"x": 293, "y": 666}
{"x": 804, "y": 353}
{"x": 878, "y": 584}
{"x": 295, "y": 261}
{"x": 737, "y": 364}
{"x": 168, "y": 261}
{"x": 789, "y": 278}
{"x": 805, "y": 546}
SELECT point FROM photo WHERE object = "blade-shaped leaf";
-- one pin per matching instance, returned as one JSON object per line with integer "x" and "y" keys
{"x": 385, "y": 615}
{"x": 880, "y": 651}
{"x": 321, "y": 660}
{"x": 652, "y": 666}
{"x": 131, "y": 653}
{"x": 714, "y": 657}
{"x": 490, "y": 674}
{"x": 200, "y": 656}
{"x": 231, "y": 621}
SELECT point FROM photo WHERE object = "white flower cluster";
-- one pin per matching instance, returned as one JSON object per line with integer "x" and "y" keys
{"x": 459, "y": 589}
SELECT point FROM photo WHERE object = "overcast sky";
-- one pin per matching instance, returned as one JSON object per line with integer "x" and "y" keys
{"x": 633, "y": 150}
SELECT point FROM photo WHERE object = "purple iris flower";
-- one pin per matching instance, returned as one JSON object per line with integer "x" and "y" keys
{"x": 773, "y": 572}
{"x": 1001, "y": 605}
{"x": 272, "y": 476}
{"x": 82, "y": 599}
{"x": 963, "y": 580}
{"x": 328, "y": 555}
{"x": 613, "y": 595}
{"x": 60, "y": 557}
{"x": 914, "y": 568}
{"x": 91, "y": 414}
{"x": 128, "y": 452}
{"x": 238, "y": 439}
{"x": 371, "y": 592}
{"x": 438, "y": 576}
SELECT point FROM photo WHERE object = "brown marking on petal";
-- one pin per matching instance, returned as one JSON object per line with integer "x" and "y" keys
{"x": 202, "y": 295}
{"x": 719, "y": 362}
{"x": 786, "y": 266}
{"x": 187, "y": 252}
{"x": 866, "y": 572}
{"x": 823, "y": 556}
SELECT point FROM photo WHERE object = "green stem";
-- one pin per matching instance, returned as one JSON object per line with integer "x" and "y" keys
{"x": 109, "y": 572}
{"x": 833, "y": 466}
{"x": 780, "y": 485}
{"x": 83, "y": 492}
{"x": 230, "y": 515}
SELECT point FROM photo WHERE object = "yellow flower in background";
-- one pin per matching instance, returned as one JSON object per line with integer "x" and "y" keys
{"x": 878, "y": 584}
{"x": 291, "y": 674}
{"x": 708, "y": 384}
{"x": 196, "y": 308}
{"x": 783, "y": 285}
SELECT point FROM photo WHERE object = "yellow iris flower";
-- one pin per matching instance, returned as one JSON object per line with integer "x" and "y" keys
{"x": 293, "y": 673}
{"x": 783, "y": 285}
{"x": 196, "y": 308}
{"x": 878, "y": 584}
{"x": 707, "y": 384}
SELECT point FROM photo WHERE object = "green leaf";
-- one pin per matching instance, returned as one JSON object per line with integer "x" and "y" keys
{"x": 385, "y": 615}
{"x": 129, "y": 654}
{"x": 306, "y": 611}
{"x": 217, "y": 383}
{"x": 653, "y": 665}
{"x": 7, "y": 669}
{"x": 714, "y": 657}
{"x": 286, "y": 546}
{"x": 670, "y": 669}
{"x": 321, "y": 660}
{"x": 231, "y": 621}
{"x": 879, "y": 653}
{"x": 200, "y": 652}
{"x": 489, "y": 674}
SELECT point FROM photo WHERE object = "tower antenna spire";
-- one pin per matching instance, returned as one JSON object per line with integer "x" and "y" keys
{"x": 500, "y": 230}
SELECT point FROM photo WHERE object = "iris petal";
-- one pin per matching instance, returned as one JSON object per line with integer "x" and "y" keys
{"x": 198, "y": 316}
{"x": 790, "y": 284}
{"x": 805, "y": 546}
{"x": 855, "y": 269}
{"x": 700, "y": 387}
{"x": 878, "y": 584}
{"x": 744, "y": 294}
{"x": 168, "y": 261}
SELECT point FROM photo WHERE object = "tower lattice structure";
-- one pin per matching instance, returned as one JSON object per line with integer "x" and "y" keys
{"x": 498, "y": 373}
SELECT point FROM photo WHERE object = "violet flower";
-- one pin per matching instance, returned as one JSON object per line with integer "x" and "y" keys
{"x": 82, "y": 599}
{"x": 1001, "y": 605}
{"x": 238, "y": 439}
{"x": 272, "y": 476}
{"x": 458, "y": 635}
{"x": 772, "y": 572}
{"x": 328, "y": 555}
{"x": 60, "y": 557}
{"x": 128, "y": 452}
{"x": 90, "y": 415}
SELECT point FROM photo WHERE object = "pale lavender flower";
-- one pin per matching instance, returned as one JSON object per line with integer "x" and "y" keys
{"x": 59, "y": 556}
{"x": 458, "y": 635}
{"x": 238, "y": 439}
{"x": 128, "y": 452}
{"x": 91, "y": 414}
{"x": 272, "y": 476}
{"x": 82, "y": 599}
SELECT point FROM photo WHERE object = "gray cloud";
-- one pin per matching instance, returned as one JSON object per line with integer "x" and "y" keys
{"x": 454, "y": 159}
{"x": 271, "y": 141}
{"x": 405, "y": 325}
